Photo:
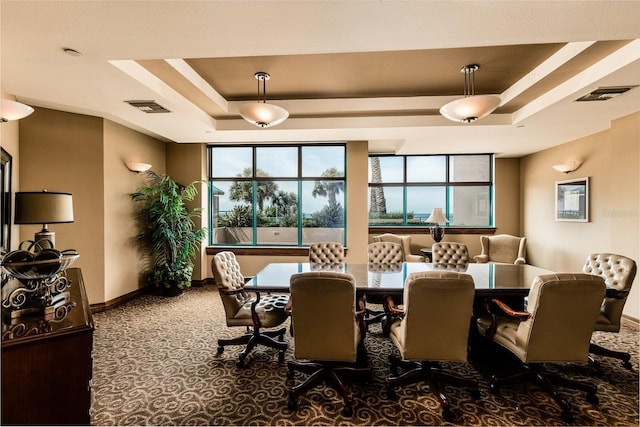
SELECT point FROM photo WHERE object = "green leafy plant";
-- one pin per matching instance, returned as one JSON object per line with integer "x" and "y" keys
{"x": 167, "y": 229}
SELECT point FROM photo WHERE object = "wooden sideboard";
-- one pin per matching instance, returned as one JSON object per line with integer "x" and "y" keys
{"x": 47, "y": 363}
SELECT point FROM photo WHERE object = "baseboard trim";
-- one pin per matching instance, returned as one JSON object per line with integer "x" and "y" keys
{"x": 632, "y": 322}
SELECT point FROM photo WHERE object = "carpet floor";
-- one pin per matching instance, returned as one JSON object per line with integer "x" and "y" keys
{"x": 155, "y": 364}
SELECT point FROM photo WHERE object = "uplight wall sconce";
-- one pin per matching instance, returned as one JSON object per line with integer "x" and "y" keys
{"x": 567, "y": 167}
{"x": 137, "y": 167}
{"x": 12, "y": 110}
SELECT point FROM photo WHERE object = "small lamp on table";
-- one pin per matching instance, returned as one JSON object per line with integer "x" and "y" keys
{"x": 436, "y": 218}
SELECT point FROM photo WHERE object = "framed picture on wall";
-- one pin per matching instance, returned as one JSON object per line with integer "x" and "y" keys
{"x": 572, "y": 200}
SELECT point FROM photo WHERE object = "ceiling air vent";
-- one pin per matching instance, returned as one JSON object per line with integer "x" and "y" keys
{"x": 605, "y": 93}
{"x": 148, "y": 106}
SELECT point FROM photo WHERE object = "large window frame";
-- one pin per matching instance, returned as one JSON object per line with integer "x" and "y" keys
{"x": 402, "y": 185}
{"x": 300, "y": 181}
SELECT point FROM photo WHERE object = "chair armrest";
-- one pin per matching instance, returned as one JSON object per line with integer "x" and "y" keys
{"x": 481, "y": 258}
{"x": 520, "y": 260}
{"x": 229, "y": 291}
{"x": 415, "y": 258}
{"x": 390, "y": 306}
{"x": 361, "y": 306}
{"x": 491, "y": 330}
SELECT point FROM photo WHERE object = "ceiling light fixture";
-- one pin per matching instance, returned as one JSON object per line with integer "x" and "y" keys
{"x": 472, "y": 107}
{"x": 12, "y": 110}
{"x": 261, "y": 113}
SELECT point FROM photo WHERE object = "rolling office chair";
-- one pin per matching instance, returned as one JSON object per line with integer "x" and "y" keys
{"x": 450, "y": 253}
{"x": 254, "y": 313}
{"x": 433, "y": 327}
{"x": 329, "y": 333}
{"x": 405, "y": 241}
{"x": 557, "y": 327}
{"x": 618, "y": 272}
{"x": 382, "y": 256}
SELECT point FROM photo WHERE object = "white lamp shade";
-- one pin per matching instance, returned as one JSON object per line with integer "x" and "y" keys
{"x": 12, "y": 110}
{"x": 43, "y": 207}
{"x": 470, "y": 108}
{"x": 263, "y": 114}
{"x": 137, "y": 166}
{"x": 437, "y": 216}
{"x": 567, "y": 167}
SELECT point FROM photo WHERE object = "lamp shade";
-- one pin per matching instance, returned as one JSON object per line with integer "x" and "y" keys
{"x": 263, "y": 114}
{"x": 12, "y": 110}
{"x": 137, "y": 166}
{"x": 470, "y": 108}
{"x": 437, "y": 216}
{"x": 43, "y": 208}
{"x": 567, "y": 167}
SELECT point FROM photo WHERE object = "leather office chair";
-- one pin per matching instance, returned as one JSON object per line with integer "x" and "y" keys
{"x": 450, "y": 253}
{"x": 405, "y": 241}
{"x": 326, "y": 253}
{"x": 254, "y": 313}
{"x": 329, "y": 333}
{"x": 382, "y": 256}
{"x": 618, "y": 272}
{"x": 433, "y": 327}
{"x": 563, "y": 309}
{"x": 502, "y": 248}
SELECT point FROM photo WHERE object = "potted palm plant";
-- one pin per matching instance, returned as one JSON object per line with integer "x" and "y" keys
{"x": 167, "y": 231}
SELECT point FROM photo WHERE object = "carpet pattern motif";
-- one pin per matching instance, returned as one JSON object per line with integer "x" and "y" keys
{"x": 155, "y": 363}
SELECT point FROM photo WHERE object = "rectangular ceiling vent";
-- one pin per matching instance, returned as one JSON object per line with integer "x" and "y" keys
{"x": 148, "y": 106}
{"x": 605, "y": 93}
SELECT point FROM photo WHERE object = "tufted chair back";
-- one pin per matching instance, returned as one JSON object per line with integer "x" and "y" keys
{"x": 226, "y": 272}
{"x": 405, "y": 241}
{"x": 326, "y": 253}
{"x": 385, "y": 253}
{"x": 503, "y": 248}
{"x": 450, "y": 253}
{"x": 618, "y": 272}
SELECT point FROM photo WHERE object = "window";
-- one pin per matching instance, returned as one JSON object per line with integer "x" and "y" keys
{"x": 404, "y": 189}
{"x": 290, "y": 195}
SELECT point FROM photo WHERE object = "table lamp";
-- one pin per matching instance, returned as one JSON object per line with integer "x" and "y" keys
{"x": 44, "y": 208}
{"x": 436, "y": 218}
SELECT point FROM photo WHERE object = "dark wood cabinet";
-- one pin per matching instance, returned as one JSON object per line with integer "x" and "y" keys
{"x": 47, "y": 364}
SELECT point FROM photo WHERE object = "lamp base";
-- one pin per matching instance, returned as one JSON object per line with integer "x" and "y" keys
{"x": 45, "y": 238}
{"x": 437, "y": 233}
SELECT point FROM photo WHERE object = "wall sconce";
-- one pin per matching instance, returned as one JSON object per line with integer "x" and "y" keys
{"x": 137, "y": 167}
{"x": 43, "y": 207}
{"x": 12, "y": 110}
{"x": 567, "y": 167}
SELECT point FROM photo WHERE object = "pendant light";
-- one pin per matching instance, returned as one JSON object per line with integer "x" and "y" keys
{"x": 261, "y": 113}
{"x": 472, "y": 107}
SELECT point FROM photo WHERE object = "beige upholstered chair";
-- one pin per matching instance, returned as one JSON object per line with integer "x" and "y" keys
{"x": 405, "y": 241}
{"x": 241, "y": 309}
{"x": 329, "y": 333}
{"x": 563, "y": 309}
{"x": 618, "y": 272}
{"x": 385, "y": 253}
{"x": 502, "y": 248}
{"x": 433, "y": 327}
{"x": 326, "y": 253}
{"x": 450, "y": 253}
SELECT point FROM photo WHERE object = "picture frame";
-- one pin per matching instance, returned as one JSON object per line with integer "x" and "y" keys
{"x": 5, "y": 202}
{"x": 572, "y": 200}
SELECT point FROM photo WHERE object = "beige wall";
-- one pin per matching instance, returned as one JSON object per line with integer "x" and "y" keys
{"x": 85, "y": 156}
{"x": 611, "y": 160}
{"x": 9, "y": 137}
{"x": 122, "y": 259}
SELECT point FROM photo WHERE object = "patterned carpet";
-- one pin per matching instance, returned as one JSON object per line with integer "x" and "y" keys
{"x": 155, "y": 363}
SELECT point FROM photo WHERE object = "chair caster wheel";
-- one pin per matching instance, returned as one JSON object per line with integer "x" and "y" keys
{"x": 475, "y": 393}
{"x": 567, "y": 417}
{"x": 281, "y": 357}
{"x": 494, "y": 389}
{"x": 592, "y": 398}
{"x": 290, "y": 374}
{"x": 626, "y": 364}
{"x": 220, "y": 350}
{"x": 447, "y": 415}
{"x": 240, "y": 364}
{"x": 347, "y": 411}
{"x": 391, "y": 395}
{"x": 292, "y": 404}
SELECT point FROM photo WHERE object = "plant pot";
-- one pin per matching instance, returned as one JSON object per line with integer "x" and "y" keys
{"x": 171, "y": 291}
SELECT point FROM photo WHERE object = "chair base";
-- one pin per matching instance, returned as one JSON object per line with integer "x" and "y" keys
{"x": 329, "y": 372}
{"x": 430, "y": 373}
{"x": 624, "y": 357}
{"x": 546, "y": 380}
{"x": 252, "y": 339}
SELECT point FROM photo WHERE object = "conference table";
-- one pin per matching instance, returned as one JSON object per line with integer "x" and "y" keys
{"x": 491, "y": 280}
